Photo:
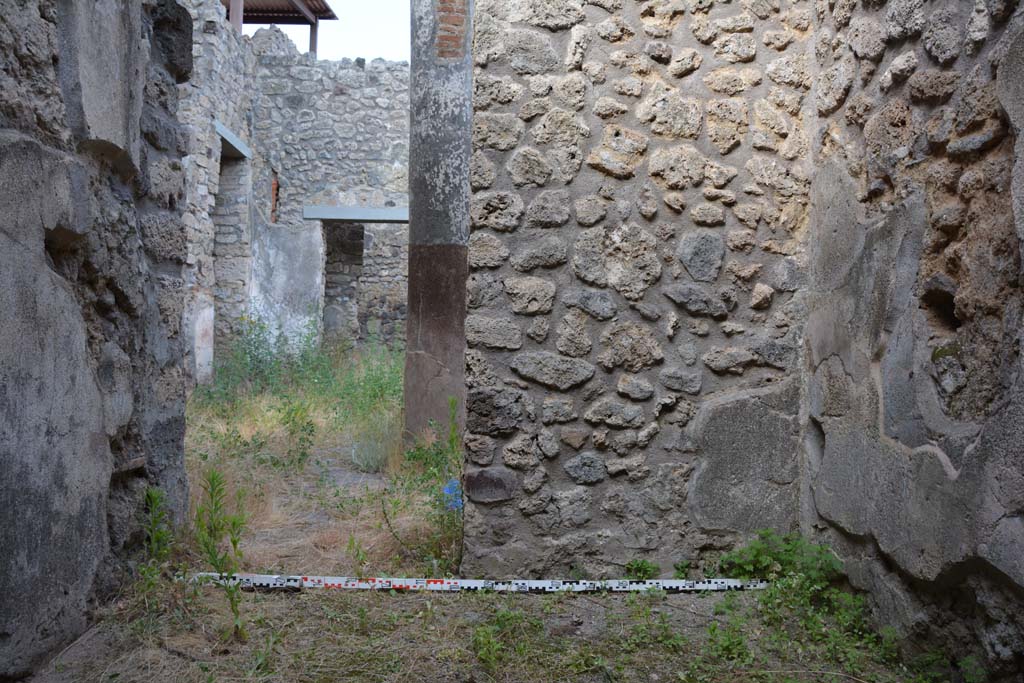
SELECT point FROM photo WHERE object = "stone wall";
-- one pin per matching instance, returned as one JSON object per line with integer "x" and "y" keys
{"x": 232, "y": 246}
{"x": 93, "y": 262}
{"x": 642, "y": 183}
{"x": 219, "y": 90}
{"x": 336, "y": 133}
{"x": 383, "y": 284}
{"x": 320, "y": 133}
{"x": 747, "y": 265}
{"x": 344, "y": 267}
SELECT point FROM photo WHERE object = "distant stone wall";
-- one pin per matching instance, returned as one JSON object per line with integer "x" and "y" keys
{"x": 335, "y": 133}
{"x": 383, "y": 283}
{"x": 746, "y": 265}
{"x": 321, "y": 133}
{"x": 93, "y": 281}
{"x": 344, "y": 268}
{"x": 218, "y": 91}
{"x": 232, "y": 246}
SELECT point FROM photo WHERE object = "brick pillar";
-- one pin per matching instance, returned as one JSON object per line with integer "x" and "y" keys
{"x": 441, "y": 120}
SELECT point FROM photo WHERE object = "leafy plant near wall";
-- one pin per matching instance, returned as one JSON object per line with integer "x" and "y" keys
{"x": 159, "y": 539}
{"x": 641, "y": 570}
{"x": 218, "y": 534}
{"x": 431, "y": 476}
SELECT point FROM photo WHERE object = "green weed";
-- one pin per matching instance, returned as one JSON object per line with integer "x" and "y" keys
{"x": 641, "y": 570}
{"x": 214, "y": 525}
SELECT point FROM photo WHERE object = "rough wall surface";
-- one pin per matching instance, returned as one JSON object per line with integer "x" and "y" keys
{"x": 746, "y": 265}
{"x": 92, "y": 291}
{"x": 914, "y": 454}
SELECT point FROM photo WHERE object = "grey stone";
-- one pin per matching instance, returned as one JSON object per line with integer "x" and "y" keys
{"x": 904, "y": 18}
{"x": 630, "y": 346}
{"x": 490, "y": 485}
{"x": 530, "y": 295}
{"x": 678, "y": 167}
{"x": 750, "y": 440}
{"x": 521, "y": 453}
{"x": 479, "y": 449}
{"x": 528, "y": 167}
{"x": 835, "y": 84}
{"x": 552, "y": 370}
{"x": 943, "y": 35}
{"x": 701, "y": 252}
{"x": 695, "y": 301}
{"x": 730, "y": 80}
{"x": 686, "y": 61}
{"x": 539, "y": 252}
{"x": 634, "y": 387}
{"x": 619, "y": 153}
{"x": 556, "y": 15}
{"x": 735, "y": 47}
{"x": 573, "y": 339}
{"x": 599, "y": 305}
{"x": 615, "y": 414}
{"x": 586, "y": 468}
{"x": 730, "y": 359}
{"x": 727, "y": 123}
{"x": 497, "y": 131}
{"x": 493, "y": 333}
{"x": 590, "y": 210}
{"x": 679, "y": 379}
{"x": 556, "y": 409}
{"x": 486, "y": 251}
{"x": 867, "y": 39}
{"x": 550, "y": 209}
{"x": 529, "y": 52}
{"x": 499, "y": 211}
{"x": 670, "y": 114}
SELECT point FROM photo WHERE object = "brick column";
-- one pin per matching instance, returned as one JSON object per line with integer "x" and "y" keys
{"x": 441, "y": 120}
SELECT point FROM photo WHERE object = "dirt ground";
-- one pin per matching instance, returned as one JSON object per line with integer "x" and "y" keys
{"x": 327, "y": 518}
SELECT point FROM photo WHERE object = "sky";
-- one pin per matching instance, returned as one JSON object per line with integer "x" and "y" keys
{"x": 365, "y": 28}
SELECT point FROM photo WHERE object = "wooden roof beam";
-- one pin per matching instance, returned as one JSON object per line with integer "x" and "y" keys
{"x": 303, "y": 9}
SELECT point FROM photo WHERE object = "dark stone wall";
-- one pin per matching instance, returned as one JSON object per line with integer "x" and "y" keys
{"x": 91, "y": 252}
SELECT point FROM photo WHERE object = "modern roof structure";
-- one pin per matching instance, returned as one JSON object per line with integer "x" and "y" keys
{"x": 310, "y": 12}
{"x": 285, "y": 11}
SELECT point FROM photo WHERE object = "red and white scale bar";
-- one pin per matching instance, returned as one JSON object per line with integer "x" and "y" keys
{"x": 270, "y": 582}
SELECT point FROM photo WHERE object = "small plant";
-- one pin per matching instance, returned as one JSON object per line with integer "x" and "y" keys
{"x": 432, "y": 476}
{"x": 263, "y": 655}
{"x": 295, "y": 417}
{"x": 681, "y": 570}
{"x": 157, "y": 526}
{"x": 972, "y": 670}
{"x": 641, "y": 570}
{"x": 215, "y": 523}
{"x": 771, "y": 555}
{"x": 158, "y": 542}
{"x": 728, "y": 642}
{"x": 508, "y": 631}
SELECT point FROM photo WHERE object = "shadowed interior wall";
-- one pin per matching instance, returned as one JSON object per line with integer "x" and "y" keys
{"x": 92, "y": 290}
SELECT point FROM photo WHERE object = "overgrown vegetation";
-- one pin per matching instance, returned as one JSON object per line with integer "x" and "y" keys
{"x": 300, "y": 468}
